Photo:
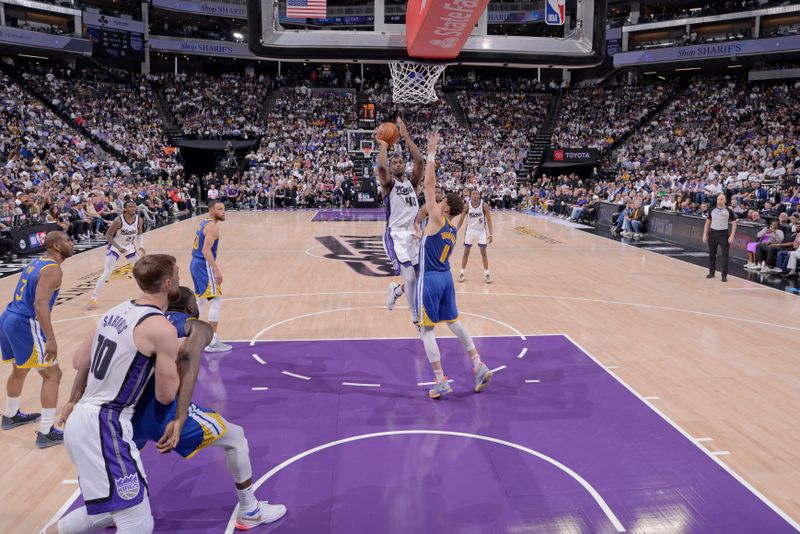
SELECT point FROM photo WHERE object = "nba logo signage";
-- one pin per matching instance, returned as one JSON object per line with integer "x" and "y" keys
{"x": 558, "y": 155}
{"x": 554, "y": 12}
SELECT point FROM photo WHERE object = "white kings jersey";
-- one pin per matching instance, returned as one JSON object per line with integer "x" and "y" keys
{"x": 127, "y": 233}
{"x": 118, "y": 372}
{"x": 476, "y": 221}
{"x": 401, "y": 205}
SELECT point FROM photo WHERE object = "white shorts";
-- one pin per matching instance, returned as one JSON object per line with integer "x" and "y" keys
{"x": 401, "y": 247}
{"x": 110, "y": 472}
{"x": 475, "y": 235}
{"x": 129, "y": 252}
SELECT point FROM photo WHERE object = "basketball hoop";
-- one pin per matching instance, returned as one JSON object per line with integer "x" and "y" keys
{"x": 365, "y": 147}
{"x": 414, "y": 83}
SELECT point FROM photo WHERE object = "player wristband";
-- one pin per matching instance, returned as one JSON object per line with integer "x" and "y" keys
{"x": 431, "y": 158}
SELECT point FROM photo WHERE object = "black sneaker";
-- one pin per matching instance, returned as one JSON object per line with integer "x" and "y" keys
{"x": 724, "y": 278}
{"x": 19, "y": 419}
{"x": 54, "y": 437}
{"x": 709, "y": 276}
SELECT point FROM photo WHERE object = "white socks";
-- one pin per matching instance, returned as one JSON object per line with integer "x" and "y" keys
{"x": 247, "y": 499}
{"x": 214, "y": 340}
{"x": 438, "y": 375}
{"x": 46, "y": 422}
{"x": 476, "y": 361}
{"x": 12, "y": 406}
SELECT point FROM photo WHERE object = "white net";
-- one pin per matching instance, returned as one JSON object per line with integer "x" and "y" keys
{"x": 414, "y": 83}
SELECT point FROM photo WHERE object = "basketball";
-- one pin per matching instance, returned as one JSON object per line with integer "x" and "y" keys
{"x": 388, "y": 132}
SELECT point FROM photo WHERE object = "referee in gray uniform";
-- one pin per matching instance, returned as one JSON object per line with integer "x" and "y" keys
{"x": 715, "y": 233}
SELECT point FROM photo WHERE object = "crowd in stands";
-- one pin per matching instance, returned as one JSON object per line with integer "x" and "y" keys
{"x": 303, "y": 155}
{"x": 693, "y": 38}
{"x": 121, "y": 113}
{"x": 217, "y": 106}
{"x": 720, "y": 135}
{"x": 38, "y": 27}
{"x": 785, "y": 30}
{"x": 659, "y": 12}
{"x": 716, "y": 135}
{"x": 303, "y": 159}
{"x": 509, "y": 83}
{"x": 598, "y": 115}
{"x": 193, "y": 32}
{"x": 720, "y": 132}
{"x": 50, "y": 172}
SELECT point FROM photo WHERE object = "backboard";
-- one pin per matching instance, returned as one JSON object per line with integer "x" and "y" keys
{"x": 507, "y": 34}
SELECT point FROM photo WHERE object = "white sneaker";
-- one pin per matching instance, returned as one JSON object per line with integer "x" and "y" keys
{"x": 265, "y": 513}
{"x": 776, "y": 270}
{"x": 219, "y": 346}
{"x": 764, "y": 269}
{"x": 487, "y": 278}
{"x": 392, "y": 296}
{"x": 461, "y": 277}
{"x": 752, "y": 267}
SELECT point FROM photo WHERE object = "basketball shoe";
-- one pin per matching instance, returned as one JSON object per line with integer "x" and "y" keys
{"x": 218, "y": 346}
{"x": 19, "y": 419}
{"x": 54, "y": 437}
{"x": 392, "y": 296}
{"x": 263, "y": 514}
{"x": 442, "y": 388}
{"x": 482, "y": 377}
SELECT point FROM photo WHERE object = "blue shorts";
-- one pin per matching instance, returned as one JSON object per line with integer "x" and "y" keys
{"x": 205, "y": 287}
{"x": 437, "y": 296}
{"x": 22, "y": 340}
{"x": 150, "y": 418}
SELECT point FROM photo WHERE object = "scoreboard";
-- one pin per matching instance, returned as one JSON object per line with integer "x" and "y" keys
{"x": 116, "y": 44}
{"x": 367, "y": 115}
{"x": 114, "y": 37}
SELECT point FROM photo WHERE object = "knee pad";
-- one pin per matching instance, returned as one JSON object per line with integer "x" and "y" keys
{"x": 431, "y": 347}
{"x": 134, "y": 520}
{"x": 234, "y": 437}
{"x": 461, "y": 333}
{"x": 409, "y": 275}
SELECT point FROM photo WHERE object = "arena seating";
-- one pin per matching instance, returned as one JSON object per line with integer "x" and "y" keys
{"x": 710, "y": 135}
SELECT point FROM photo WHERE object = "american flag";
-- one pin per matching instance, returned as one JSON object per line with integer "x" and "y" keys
{"x": 302, "y": 9}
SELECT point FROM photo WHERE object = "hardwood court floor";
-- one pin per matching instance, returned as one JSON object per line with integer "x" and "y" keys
{"x": 719, "y": 357}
